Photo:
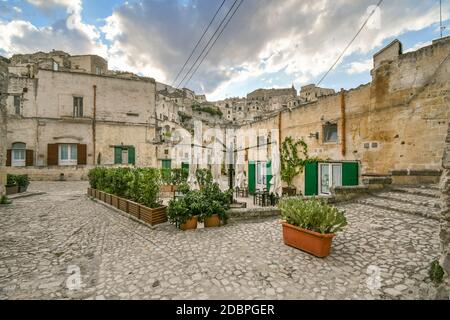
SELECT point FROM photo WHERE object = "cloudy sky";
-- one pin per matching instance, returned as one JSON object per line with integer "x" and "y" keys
{"x": 268, "y": 43}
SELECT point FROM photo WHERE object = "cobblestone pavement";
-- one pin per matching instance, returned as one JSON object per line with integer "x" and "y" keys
{"x": 43, "y": 238}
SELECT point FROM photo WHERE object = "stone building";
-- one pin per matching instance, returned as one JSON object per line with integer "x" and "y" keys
{"x": 270, "y": 99}
{"x": 394, "y": 126}
{"x": 4, "y": 81}
{"x": 311, "y": 93}
{"x": 63, "y": 120}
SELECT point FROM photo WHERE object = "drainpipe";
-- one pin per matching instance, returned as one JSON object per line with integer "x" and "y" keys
{"x": 94, "y": 120}
{"x": 343, "y": 127}
{"x": 280, "y": 116}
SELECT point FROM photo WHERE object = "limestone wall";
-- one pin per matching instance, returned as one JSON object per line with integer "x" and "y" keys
{"x": 396, "y": 122}
{"x": 3, "y": 125}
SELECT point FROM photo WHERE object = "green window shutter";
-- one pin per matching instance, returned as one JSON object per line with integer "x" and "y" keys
{"x": 167, "y": 164}
{"x": 117, "y": 155}
{"x": 350, "y": 173}
{"x": 269, "y": 174}
{"x": 251, "y": 177}
{"x": 131, "y": 155}
{"x": 311, "y": 179}
{"x": 185, "y": 166}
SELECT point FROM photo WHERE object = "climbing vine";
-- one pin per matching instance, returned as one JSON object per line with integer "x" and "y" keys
{"x": 292, "y": 164}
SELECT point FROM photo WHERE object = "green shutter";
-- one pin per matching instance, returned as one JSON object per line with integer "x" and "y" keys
{"x": 117, "y": 155}
{"x": 251, "y": 177}
{"x": 350, "y": 173}
{"x": 311, "y": 179}
{"x": 185, "y": 166}
{"x": 131, "y": 155}
{"x": 269, "y": 174}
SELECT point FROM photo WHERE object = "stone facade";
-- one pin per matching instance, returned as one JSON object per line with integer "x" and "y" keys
{"x": 398, "y": 122}
{"x": 101, "y": 113}
{"x": 311, "y": 93}
{"x": 444, "y": 290}
{"x": 3, "y": 124}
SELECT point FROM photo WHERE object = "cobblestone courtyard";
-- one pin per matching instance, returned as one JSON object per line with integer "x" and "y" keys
{"x": 42, "y": 237}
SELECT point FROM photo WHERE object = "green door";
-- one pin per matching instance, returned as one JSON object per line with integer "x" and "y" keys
{"x": 131, "y": 155}
{"x": 185, "y": 166}
{"x": 117, "y": 155}
{"x": 269, "y": 174}
{"x": 251, "y": 177}
{"x": 350, "y": 173}
{"x": 167, "y": 164}
{"x": 311, "y": 179}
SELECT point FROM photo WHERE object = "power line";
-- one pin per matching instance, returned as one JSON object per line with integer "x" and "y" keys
{"x": 210, "y": 39}
{"x": 351, "y": 42}
{"x": 198, "y": 42}
{"x": 204, "y": 57}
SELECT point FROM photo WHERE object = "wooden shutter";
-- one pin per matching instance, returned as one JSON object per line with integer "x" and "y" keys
{"x": 82, "y": 154}
{"x": 8, "y": 158}
{"x": 311, "y": 179}
{"x": 350, "y": 173}
{"x": 52, "y": 154}
{"x": 117, "y": 155}
{"x": 131, "y": 155}
{"x": 269, "y": 174}
{"x": 29, "y": 159}
{"x": 251, "y": 177}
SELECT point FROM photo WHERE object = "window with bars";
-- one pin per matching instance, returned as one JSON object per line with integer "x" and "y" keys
{"x": 17, "y": 103}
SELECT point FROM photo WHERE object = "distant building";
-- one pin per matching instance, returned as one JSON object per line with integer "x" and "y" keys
{"x": 311, "y": 93}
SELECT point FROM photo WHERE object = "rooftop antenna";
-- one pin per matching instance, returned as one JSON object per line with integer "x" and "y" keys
{"x": 440, "y": 16}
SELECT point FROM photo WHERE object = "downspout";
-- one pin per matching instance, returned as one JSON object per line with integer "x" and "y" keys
{"x": 280, "y": 116}
{"x": 94, "y": 122}
{"x": 343, "y": 127}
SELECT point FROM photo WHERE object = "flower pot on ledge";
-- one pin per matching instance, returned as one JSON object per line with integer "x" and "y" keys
{"x": 311, "y": 242}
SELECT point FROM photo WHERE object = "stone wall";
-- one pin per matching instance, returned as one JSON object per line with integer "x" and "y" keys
{"x": 444, "y": 290}
{"x": 3, "y": 128}
{"x": 396, "y": 122}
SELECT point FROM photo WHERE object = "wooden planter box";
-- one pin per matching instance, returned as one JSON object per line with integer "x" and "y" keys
{"x": 153, "y": 216}
{"x": 123, "y": 205}
{"x": 312, "y": 242}
{"x": 96, "y": 193}
{"x": 89, "y": 192}
{"x": 166, "y": 188}
{"x": 107, "y": 198}
{"x": 134, "y": 209}
{"x": 12, "y": 190}
{"x": 115, "y": 201}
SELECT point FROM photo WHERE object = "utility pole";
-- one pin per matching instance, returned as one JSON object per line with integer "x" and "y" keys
{"x": 440, "y": 17}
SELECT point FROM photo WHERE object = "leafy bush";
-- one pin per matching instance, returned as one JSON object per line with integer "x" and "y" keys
{"x": 436, "y": 273}
{"x": 23, "y": 180}
{"x": 178, "y": 212}
{"x": 138, "y": 184}
{"x": 179, "y": 176}
{"x": 204, "y": 177}
{"x": 312, "y": 215}
{"x": 11, "y": 180}
{"x": 4, "y": 200}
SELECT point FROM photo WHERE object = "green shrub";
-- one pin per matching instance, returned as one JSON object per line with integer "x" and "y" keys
{"x": 204, "y": 177}
{"x": 4, "y": 200}
{"x": 179, "y": 176}
{"x": 178, "y": 212}
{"x": 138, "y": 184}
{"x": 11, "y": 180}
{"x": 436, "y": 273}
{"x": 312, "y": 215}
{"x": 22, "y": 180}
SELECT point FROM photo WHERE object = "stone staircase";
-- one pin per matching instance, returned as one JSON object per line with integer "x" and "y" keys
{"x": 417, "y": 200}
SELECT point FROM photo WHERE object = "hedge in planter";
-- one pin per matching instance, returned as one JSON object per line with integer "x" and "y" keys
{"x": 310, "y": 225}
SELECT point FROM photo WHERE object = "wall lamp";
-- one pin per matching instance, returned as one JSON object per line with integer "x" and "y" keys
{"x": 314, "y": 135}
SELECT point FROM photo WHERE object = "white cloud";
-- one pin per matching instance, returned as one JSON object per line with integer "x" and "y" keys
{"x": 418, "y": 46}
{"x": 360, "y": 66}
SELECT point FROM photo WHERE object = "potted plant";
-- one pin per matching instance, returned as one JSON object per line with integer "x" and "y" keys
{"x": 216, "y": 205}
{"x": 214, "y": 214}
{"x": 180, "y": 214}
{"x": 310, "y": 225}
{"x": 23, "y": 181}
{"x": 11, "y": 184}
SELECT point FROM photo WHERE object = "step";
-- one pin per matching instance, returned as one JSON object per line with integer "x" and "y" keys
{"x": 426, "y": 191}
{"x": 402, "y": 207}
{"x": 404, "y": 197}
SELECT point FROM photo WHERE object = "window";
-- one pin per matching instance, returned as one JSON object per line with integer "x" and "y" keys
{"x": 330, "y": 132}
{"x": 17, "y": 105}
{"x": 98, "y": 71}
{"x": 77, "y": 107}
{"x": 124, "y": 156}
{"x": 68, "y": 154}
{"x": 330, "y": 175}
{"x": 18, "y": 154}
{"x": 55, "y": 66}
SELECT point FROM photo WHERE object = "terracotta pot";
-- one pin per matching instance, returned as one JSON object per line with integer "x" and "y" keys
{"x": 191, "y": 224}
{"x": 312, "y": 242}
{"x": 213, "y": 221}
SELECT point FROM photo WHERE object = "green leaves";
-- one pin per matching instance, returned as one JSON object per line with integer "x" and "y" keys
{"x": 22, "y": 180}
{"x": 312, "y": 215}
{"x": 291, "y": 163}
